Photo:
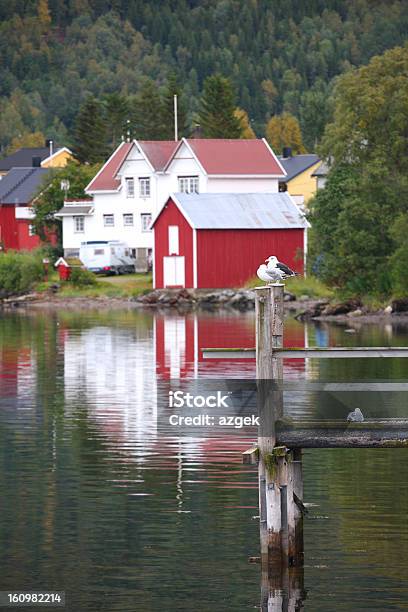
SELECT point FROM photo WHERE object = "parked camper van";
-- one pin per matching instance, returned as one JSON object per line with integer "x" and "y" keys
{"x": 107, "y": 257}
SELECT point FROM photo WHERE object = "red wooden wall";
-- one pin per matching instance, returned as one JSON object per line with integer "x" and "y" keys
{"x": 228, "y": 258}
{"x": 172, "y": 216}
{"x": 14, "y": 233}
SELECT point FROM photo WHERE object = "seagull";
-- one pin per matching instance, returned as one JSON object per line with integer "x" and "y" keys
{"x": 356, "y": 416}
{"x": 273, "y": 264}
{"x": 274, "y": 271}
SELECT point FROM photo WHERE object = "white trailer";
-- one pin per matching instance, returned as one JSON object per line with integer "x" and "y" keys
{"x": 107, "y": 256}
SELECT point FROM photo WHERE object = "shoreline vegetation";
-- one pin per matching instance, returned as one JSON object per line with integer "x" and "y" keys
{"x": 22, "y": 284}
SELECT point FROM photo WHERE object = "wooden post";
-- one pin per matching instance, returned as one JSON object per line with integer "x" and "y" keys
{"x": 269, "y": 335}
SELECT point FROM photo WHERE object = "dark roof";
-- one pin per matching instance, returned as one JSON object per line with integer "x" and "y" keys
{"x": 68, "y": 211}
{"x": 239, "y": 210}
{"x": 23, "y": 158}
{"x": 21, "y": 185}
{"x": 297, "y": 163}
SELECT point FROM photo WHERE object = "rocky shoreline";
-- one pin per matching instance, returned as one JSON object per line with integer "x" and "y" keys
{"x": 303, "y": 308}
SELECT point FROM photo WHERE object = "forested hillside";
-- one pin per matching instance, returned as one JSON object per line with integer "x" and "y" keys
{"x": 281, "y": 55}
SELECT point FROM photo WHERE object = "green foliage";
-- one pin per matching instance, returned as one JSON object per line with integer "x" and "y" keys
{"x": 54, "y": 54}
{"x": 173, "y": 88}
{"x": 217, "y": 113}
{"x": 19, "y": 271}
{"x": 399, "y": 260}
{"x": 51, "y": 196}
{"x": 357, "y": 240}
{"x": 116, "y": 114}
{"x": 91, "y": 133}
{"x": 148, "y": 113}
{"x": 80, "y": 277}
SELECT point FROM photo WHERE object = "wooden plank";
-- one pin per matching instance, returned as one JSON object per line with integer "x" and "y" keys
{"x": 384, "y": 433}
{"x": 251, "y": 456}
{"x": 334, "y": 352}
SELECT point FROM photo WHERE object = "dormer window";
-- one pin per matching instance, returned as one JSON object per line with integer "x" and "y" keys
{"x": 130, "y": 187}
{"x": 144, "y": 187}
{"x": 188, "y": 184}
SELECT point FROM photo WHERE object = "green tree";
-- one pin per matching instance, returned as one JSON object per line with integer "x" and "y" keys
{"x": 90, "y": 134}
{"x": 148, "y": 113}
{"x": 172, "y": 89}
{"x": 284, "y": 131}
{"x": 216, "y": 115}
{"x": 368, "y": 135}
{"x": 117, "y": 114}
{"x": 51, "y": 196}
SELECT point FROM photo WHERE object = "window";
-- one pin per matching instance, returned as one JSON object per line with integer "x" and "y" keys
{"x": 31, "y": 230}
{"x": 146, "y": 220}
{"x": 79, "y": 224}
{"x": 128, "y": 219}
{"x": 108, "y": 220}
{"x": 130, "y": 187}
{"x": 99, "y": 251}
{"x": 188, "y": 184}
{"x": 173, "y": 240}
{"x": 144, "y": 187}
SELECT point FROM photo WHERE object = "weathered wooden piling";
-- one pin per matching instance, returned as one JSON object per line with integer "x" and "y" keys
{"x": 279, "y": 471}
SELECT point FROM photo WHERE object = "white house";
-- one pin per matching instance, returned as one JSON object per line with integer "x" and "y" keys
{"x": 137, "y": 179}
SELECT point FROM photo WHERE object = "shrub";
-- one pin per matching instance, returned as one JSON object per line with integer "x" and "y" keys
{"x": 19, "y": 272}
{"x": 82, "y": 278}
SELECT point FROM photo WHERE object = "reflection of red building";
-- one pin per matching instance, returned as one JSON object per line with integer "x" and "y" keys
{"x": 15, "y": 363}
{"x": 180, "y": 340}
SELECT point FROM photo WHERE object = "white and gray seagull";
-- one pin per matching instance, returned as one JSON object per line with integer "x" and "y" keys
{"x": 274, "y": 271}
{"x": 356, "y": 416}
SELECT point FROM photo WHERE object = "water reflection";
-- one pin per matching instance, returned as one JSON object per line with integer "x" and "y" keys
{"x": 94, "y": 501}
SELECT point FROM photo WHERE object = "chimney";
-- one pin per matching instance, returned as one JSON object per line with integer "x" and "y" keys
{"x": 50, "y": 145}
{"x": 36, "y": 162}
{"x": 287, "y": 152}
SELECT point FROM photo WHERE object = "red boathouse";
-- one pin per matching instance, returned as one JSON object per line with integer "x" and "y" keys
{"x": 212, "y": 240}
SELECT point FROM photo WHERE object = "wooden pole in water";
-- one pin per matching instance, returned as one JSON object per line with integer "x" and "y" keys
{"x": 269, "y": 335}
{"x": 279, "y": 469}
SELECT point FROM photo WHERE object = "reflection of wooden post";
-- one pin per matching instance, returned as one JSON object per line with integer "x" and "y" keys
{"x": 269, "y": 335}
{"x": 280, "y": 470}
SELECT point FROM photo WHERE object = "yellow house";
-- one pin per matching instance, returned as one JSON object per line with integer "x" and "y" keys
{"x": 59, "y": 159}
{"x": 299, "y": 182}
{"x": 36, "y": 157}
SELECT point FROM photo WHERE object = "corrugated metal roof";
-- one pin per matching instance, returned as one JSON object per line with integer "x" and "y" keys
{"x": 297, "y": 164}
{"x": 240, "y": 210}
{"x": 67, "y": 211}
{"x": 21, "y": 185}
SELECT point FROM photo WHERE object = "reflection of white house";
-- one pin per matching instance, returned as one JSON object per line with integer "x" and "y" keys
{"x": 136, "y": 181}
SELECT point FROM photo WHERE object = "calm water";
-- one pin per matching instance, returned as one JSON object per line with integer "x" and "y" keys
{"x": 95, "y": 502}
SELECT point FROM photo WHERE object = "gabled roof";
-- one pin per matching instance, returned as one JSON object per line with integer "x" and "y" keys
{"x": 297, "y": 164}
{"x": 21, "y": 185}
{"x": 235, "y": 157}
{"x": 106, "y": 179}
{"x": 23, "y": 158}
{"x": 238, "y": 211}
{"x": 216, "y": 157}
{"x": 322, "y": 170}
{"x": 158, "y": 152}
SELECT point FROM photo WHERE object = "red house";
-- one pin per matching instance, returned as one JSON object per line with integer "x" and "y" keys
{"x": 211, "y": 240}
{"x": 17, "y": 190}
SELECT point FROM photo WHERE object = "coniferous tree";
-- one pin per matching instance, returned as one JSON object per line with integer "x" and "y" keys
{"x": 216, "y": 116}
{"x": 90, "y": 135}
{"x": 117, "y": 115}
{"x": 172, "y": 89}
{"x": 148, "y": 113}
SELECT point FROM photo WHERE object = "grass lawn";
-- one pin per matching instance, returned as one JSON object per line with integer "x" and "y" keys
{"x": 122, "y": 286}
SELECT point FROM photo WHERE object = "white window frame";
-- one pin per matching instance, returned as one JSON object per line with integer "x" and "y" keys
{"x": 144, "y": 187}
{"x": 128, "y": 219}
{"x": 31, "y": 230}
{"x": 130, "y": 186}
{"x": 105, "y": 219}
{"x": 189, "y": 184}
{"x": 79, "y": 224}
{"x": 174, "y": 242}
{"x": 145, "y": 226}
